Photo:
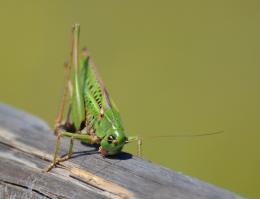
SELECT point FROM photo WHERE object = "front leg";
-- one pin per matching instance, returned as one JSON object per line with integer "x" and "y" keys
{"x": 89, "y": 139}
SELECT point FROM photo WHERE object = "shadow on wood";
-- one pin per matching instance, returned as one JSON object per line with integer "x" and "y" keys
{"x": 26, "y": 147}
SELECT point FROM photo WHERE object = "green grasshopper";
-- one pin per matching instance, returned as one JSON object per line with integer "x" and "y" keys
{"x": 92, "y": 115}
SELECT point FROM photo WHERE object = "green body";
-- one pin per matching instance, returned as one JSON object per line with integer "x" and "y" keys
{"x": 92, "y": 116}
{"x": 100, "y": 114}
{"x": 92, "y": 109}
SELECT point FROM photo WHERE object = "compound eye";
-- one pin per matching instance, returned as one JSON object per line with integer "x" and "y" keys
{"x": 110, "y": 139}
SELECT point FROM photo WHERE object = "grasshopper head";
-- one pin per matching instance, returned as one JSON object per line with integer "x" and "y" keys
{"x": 112, "y": 143}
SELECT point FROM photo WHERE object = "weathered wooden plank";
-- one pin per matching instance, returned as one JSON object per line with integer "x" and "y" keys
{"x": 26, "y": 145}
{"x": 21, "y": 172}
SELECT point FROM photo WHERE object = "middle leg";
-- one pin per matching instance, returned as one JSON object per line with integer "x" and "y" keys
{"x": 89, "y": 139}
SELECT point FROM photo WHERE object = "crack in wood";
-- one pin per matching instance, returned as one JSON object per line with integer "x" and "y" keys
{"x": 101, "y": 183}
{"x": 26, "y": 187}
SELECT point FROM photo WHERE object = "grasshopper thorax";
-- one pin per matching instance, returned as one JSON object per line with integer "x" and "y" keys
{"x": 111, "y": 132}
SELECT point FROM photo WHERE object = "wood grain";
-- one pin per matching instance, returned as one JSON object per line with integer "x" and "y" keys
{"x": 26, "y": 147}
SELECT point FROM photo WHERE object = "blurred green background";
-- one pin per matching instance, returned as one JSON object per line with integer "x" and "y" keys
{"x": 173, "y": 67}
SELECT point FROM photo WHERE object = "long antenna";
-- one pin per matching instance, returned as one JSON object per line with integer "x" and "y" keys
{"x": 185, "y": 135}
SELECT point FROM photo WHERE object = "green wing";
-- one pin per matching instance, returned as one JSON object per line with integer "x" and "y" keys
{"x": 99, "y": 106}
{"x": 90, "y": 98}
{"x": 95, "y": 94}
